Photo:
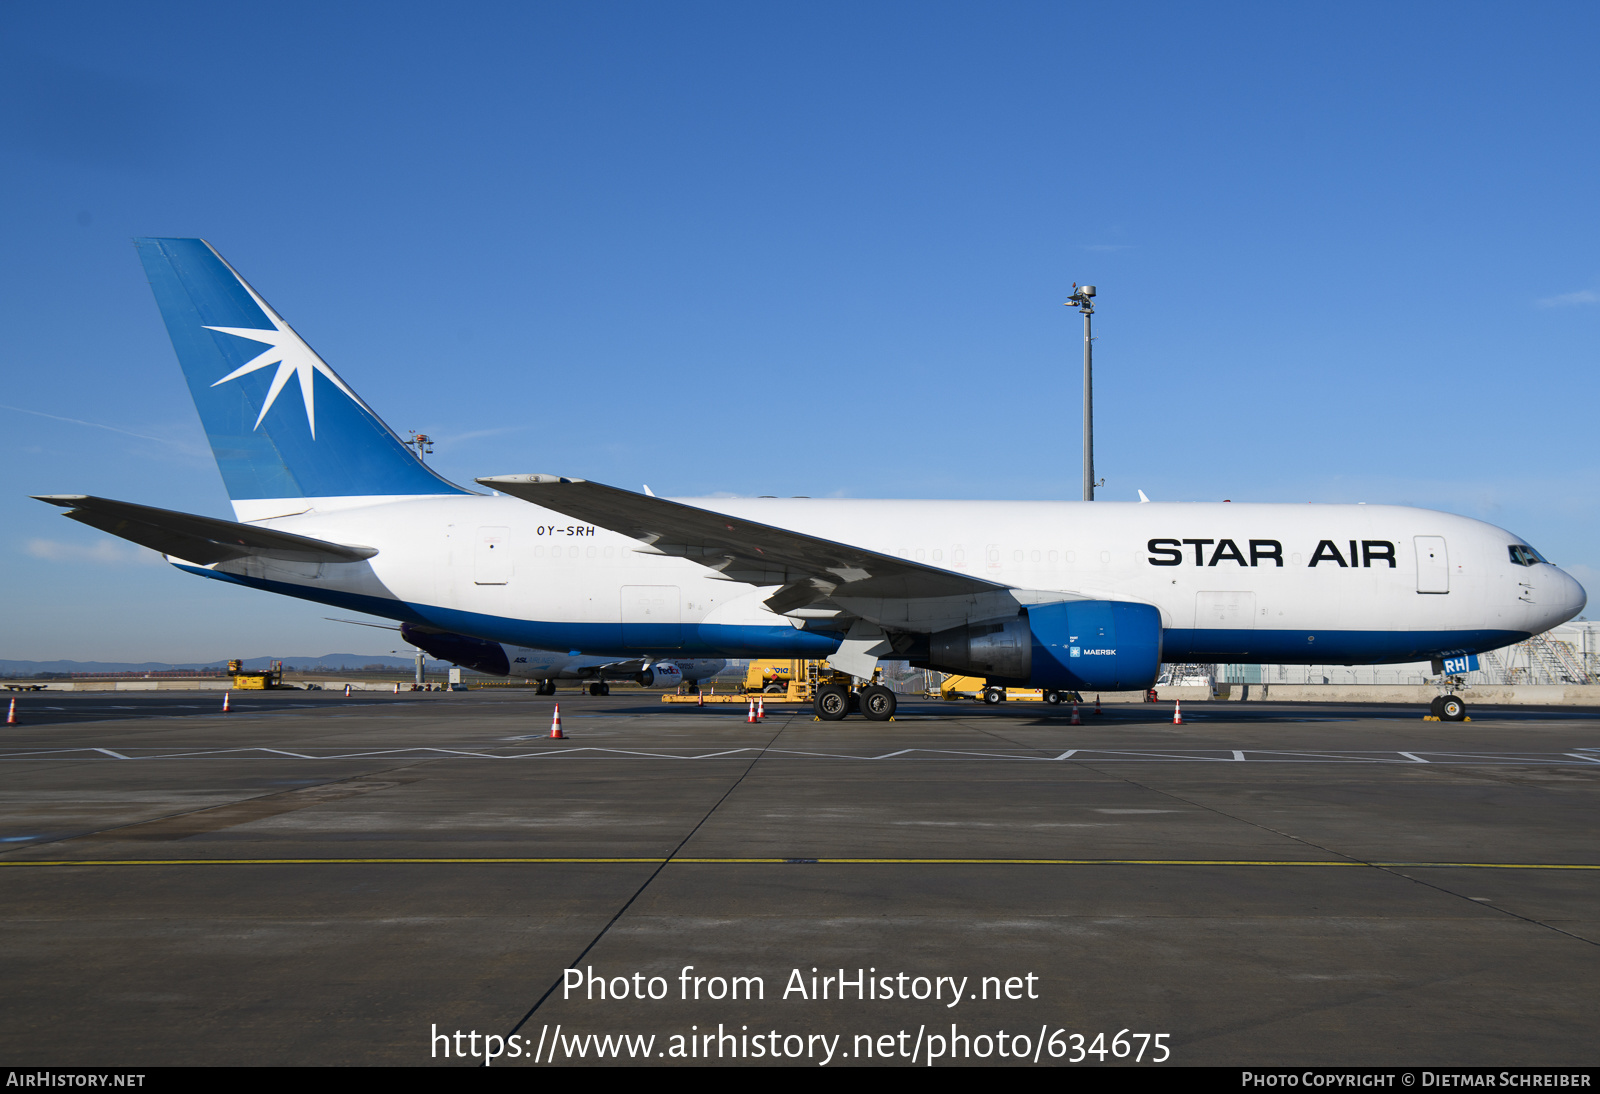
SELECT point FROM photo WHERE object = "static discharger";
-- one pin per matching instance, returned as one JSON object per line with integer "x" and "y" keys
{"x": 555, "y": 725}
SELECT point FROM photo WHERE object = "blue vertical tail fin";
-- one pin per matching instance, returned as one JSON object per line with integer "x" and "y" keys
{"x": 272, "y": 438}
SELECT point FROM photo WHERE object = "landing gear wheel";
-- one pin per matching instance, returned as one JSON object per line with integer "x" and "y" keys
{"x": 877, "y": 703}
{"x": 546, "y": 687}
{"x": 1452, "y": 709}
{"x": 994, "y": 695}
{"x": 832, "y": 703}
{"x": 1433, "y": 707}
{"x": 594, "y": 689}
{"x": 1052, "y": 696}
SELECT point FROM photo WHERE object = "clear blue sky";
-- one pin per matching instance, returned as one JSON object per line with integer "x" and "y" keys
{"x": 1345, "y": 253}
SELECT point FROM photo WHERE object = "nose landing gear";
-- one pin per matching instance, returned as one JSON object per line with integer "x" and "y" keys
{"x": 1449, "y": 707}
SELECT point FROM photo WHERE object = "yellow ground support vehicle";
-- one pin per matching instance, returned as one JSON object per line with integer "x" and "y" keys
{"x": 833, "y": 693}
{"x": 775, "y": 681}
{"x": 255, "y": 681}
{"x": 793, "y": 681}
{"x": 955, "y": 687}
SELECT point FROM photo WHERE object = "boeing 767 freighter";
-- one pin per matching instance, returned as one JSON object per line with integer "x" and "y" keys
{"x": 331, "y": 506}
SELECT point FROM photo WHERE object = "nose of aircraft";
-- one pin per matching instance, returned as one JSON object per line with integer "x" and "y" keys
{"x": 1565, "y": 597}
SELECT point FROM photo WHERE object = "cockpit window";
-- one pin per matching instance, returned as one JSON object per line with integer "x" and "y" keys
{"x": 1523, "y": 555}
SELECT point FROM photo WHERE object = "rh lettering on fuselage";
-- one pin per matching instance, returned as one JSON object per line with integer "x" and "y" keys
{"x": 569, "y": 530}
{"x": 1257, "y": 552}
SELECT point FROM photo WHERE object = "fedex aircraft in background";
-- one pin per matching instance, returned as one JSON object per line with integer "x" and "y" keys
{"x": 331, "y": 506}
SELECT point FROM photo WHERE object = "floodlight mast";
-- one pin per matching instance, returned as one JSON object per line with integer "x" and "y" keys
{"x": 1083, "y": 298}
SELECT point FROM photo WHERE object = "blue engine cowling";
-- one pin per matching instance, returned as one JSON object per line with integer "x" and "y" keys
{"x": 1100, "y": 645}
{"x": 1097, "y": 645}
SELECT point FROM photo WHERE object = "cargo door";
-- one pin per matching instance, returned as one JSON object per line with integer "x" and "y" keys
{"x": 1433, "y": 565}
{"x": 651, "y": 617}
{"x": 491, "y": 557}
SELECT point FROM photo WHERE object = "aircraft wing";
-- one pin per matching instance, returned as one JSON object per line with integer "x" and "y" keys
{"x": 809, "y": 568}
{"x": 199, "y": 539}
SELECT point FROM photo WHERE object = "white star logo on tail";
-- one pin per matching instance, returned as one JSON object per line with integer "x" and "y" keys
{"x": 292, "y": 356}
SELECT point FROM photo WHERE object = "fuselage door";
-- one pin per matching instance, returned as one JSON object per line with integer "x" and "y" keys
{"x": 1433, "y": 565}
{"x": 651, "y": 617}
{"x": 491, "y": 557}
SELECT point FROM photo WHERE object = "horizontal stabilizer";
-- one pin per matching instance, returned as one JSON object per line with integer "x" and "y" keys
{"x": 203, "y": 540}
{"x": 809, "y": 568}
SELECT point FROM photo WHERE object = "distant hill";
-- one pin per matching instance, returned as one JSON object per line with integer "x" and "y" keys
{"x": 328, "y": 662}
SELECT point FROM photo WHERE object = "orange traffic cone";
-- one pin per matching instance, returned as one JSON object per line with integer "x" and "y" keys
{"x": 750, "y": 713}
{"x": 1177, "y": 713}
{"x": 1076, "y": 721}
{"x": 699, "y": 698}
{"x": 397, "y": 689}
{"x": 1097, "y": 704}
{"x": 347, "y": 691}
{"x": 761, "y": 709}
{"x": 555, "y": 726}
{"x": 11, "y": 715}
{"x": 225, "y": 706}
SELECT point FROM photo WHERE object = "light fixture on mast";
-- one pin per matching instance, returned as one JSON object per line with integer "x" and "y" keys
{"x": 1083, "y": 299}
{"x": 421, "y": 444}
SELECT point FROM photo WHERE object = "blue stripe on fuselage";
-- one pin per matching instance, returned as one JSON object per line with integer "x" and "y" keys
{"x": 723, "y": 640}
{"x": 603, "y": 639}
{"x": 1179, "y": 646}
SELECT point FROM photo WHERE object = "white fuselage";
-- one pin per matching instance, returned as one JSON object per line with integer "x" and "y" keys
{"x": 1271, "y": 582}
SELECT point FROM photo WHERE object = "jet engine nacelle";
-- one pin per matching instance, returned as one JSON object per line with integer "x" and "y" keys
{"x": 1099, "y": 645}
{"x": 661, "y": 674}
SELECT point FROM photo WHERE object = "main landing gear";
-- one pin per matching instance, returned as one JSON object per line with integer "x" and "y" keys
{"x": 546, "y": 687}
{"x": 600, "y": 687}
{"x": 834, "y": 701}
